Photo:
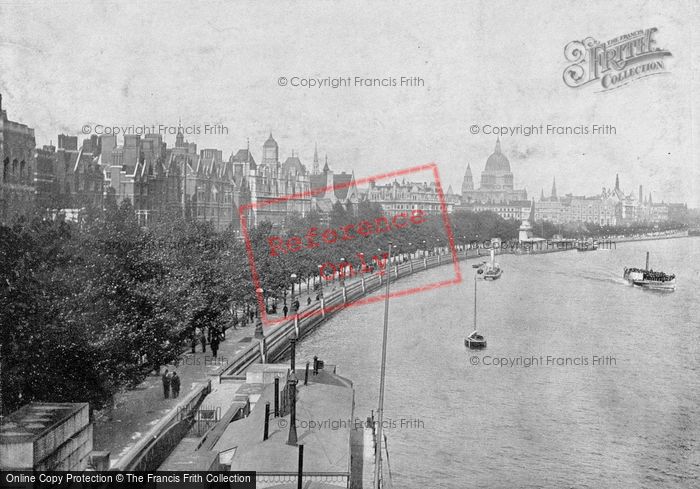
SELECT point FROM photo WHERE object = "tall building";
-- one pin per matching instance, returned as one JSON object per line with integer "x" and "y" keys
{"x": 157, "y": 179}
{"x": 17, "y": 158}
{"x": 496, "y": 185}
{"x": 329, "y": 188}
{"x": 611, "y": 207}
{"x": 271, "y": 184}
{"x": 407, "y": 196}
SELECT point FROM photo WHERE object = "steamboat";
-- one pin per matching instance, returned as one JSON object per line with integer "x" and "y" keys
{"x": 650, "y": 279}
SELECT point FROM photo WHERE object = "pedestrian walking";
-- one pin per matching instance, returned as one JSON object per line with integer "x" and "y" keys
{"x": 203, "y": 339}
{"x": 285, "y": 310}
{"x": 296, "y": 305}
{"x": 175, "y": 384}
{"x": 166, "y": 383}
{"x": 308, "y": 301}
{"x": 214, "y": 343}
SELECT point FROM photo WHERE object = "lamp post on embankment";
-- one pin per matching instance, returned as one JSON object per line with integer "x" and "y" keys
{"x": 380, "y": 411}
{"x": 258, "y": 325}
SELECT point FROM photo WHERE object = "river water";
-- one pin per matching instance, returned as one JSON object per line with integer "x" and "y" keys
{"x": 586, "y": 381}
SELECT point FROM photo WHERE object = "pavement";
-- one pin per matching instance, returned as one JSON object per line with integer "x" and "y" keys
{"x": 136, "y": 411}
{"x": 324, "y": 417}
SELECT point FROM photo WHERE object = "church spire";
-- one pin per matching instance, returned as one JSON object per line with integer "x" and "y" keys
{"x": 314, "y": 168}
{"x": 554, "y": 189}
{"x": 468, "y": 182}
{"x": 498, "y": 145}
{"x": 326, "y": 168}
{"x": 542, "y": 195}
{"x": 617, "y": 181}
{"x": 179, "y": 138}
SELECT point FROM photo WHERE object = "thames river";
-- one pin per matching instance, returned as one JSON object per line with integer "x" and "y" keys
{"x": 586, "y": 381}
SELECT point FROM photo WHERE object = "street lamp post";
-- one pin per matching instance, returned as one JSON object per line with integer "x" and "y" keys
{"x": 320, "y": 280}
{"x": 380, "y": 411}
{"x": 342, "y": 272}
{"x": 260, "y": 291}
{"x": 258, "y": 325}
{"x": 293, "y": 277}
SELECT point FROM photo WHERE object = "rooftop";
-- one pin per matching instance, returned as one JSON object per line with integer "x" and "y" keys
{"x": 327, "y": 397}
{"x": 32, "y": 421}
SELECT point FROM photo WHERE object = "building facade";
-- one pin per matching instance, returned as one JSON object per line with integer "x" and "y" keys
{"x": 17, "y": 167}
{"x": 404, "y": 196}
{"x": 612, "y": 207}
{"x": 272, "y": 183}
{"x": 496, "y": 184}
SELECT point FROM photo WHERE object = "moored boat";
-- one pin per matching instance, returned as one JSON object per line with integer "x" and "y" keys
{"x": 475, "y": 341}
{"x": 586, "y": 246}
{"x": 491, "y": 270}
{"x": 650, "y": 279}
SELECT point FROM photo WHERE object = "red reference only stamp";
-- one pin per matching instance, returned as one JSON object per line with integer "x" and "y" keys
{"x": 339, "y": 250}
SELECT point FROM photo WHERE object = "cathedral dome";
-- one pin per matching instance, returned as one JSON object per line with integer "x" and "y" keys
{"x": 497, "y": 162}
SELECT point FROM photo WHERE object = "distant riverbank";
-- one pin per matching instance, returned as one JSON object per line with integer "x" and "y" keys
{"x": 680, "y": 234}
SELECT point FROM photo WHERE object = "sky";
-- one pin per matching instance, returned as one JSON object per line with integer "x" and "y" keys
{"x": 64, "y": 65}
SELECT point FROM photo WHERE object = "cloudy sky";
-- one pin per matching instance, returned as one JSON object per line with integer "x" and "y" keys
{"x": 66, "y": 64}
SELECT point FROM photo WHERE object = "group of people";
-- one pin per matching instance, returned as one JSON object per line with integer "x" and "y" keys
{"x": 214, "y": 336}
{"x": 171, "y": 384}
{"x": 658, "y": 276}
{"x": 651, "y": 274}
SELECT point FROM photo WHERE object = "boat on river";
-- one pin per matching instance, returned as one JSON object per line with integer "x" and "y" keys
{"x": 475, "y": 341}
{"x": 491, "y": 270}
{"x": 650, "y": 279}
{"x": 586, "y": 246}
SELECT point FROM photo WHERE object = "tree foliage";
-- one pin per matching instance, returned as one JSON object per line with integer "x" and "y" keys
{"x": 89, "y": 308}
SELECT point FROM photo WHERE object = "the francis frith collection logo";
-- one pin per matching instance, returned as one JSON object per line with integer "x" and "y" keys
{"x": 616, "y": 62}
